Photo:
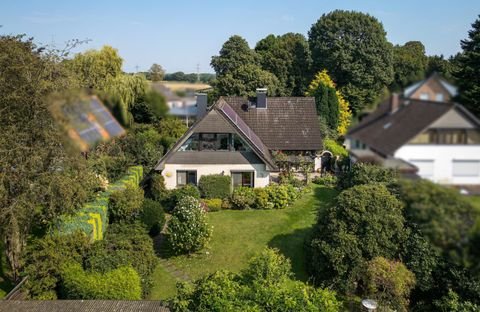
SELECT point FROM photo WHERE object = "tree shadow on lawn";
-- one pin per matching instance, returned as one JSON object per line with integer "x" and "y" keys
{"x": 292, "y": 246}
{"x": 162, "y": 246}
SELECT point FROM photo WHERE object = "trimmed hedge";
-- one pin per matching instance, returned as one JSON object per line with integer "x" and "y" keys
{"x": 92, "y": 219}
{"x": 215, "y": 186}
{"x": 119, "y": 284}
{"x": 213, "y": 204}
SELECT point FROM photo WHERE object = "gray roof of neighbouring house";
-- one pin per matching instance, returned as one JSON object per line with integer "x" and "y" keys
{"x": 81, "y": 306}
{"x": 288, "y": 123}
{"x": 385, "y": 132}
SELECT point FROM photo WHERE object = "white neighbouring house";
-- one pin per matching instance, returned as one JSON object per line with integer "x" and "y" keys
{"x": 439, "y": 141}
{"x": 236, "y": 137}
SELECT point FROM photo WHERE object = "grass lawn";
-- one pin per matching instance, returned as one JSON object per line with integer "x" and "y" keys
{"x": 238, "y": 235}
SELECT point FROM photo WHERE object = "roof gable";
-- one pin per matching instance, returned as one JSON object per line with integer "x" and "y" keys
{"x": 454, "y": 118}
{"x": 434, "y": 79}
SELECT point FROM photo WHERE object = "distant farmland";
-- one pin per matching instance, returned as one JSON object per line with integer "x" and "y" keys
{"x": 183, "y": 85}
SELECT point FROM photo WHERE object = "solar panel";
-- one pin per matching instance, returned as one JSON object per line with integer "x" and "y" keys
{"x": 244, "y": 128}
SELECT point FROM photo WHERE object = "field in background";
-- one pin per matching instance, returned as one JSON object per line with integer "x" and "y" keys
{"x": 183, "y": 85}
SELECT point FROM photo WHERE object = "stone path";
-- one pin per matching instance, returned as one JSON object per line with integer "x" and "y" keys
{"x": 159, "y": 244}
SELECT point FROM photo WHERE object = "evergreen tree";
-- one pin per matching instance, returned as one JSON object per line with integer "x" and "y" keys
{"x": 468, "y": 73}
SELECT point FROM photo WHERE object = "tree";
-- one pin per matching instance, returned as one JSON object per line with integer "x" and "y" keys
{"x": 41, "y": 176}
{"x": 330, "y": 103}
{"x": 467, "y": 75}
{"x": 156, "y": 72}
{"x": 444, "y": 67}
{"x": 353, "y": 47}
{"x": 238, "y": 71}
{"x": 95, "y": 68}
{"x": 390, "y": 282}
{"x": 288, "y": 58}
{"x": 364, "y": 222}
{"x": 150, "y": 109}
{"x": 409, "y": 64}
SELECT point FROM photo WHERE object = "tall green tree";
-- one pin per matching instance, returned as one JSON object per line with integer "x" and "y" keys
{"x": 468, "y": 73}
{"x": 409, "y": 64}
{"x": 40, "y": 176}
{"x": 288, "y": 58}
{"x": 439, "y": 64}
{"x": 354, "y": 49}
{"x": 238, "y": 70}
{"x": 156, "y": 72}
{"x": 94, "y": 68}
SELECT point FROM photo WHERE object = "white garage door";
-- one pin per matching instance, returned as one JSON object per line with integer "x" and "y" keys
{"x": 466, "y": 168}
{"x": 425, "y": 167}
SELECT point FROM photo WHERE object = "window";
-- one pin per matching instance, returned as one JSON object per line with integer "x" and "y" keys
{"x": 208, "y": 142}
{"x": 244, "y": 178}
{"x": 425, "y": 167}
{"x": 445, "y": 136}
{"x": 191, "y": 144}
{"x": 239, "y": 144}
{"x": 466, "y": 168}
{"x": 439, "y": 97}
{"x": 424, "y": 96}
{"x": 186, "y": 177}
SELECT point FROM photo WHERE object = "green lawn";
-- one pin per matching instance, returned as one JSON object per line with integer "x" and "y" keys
{"x": 238, "y": 235}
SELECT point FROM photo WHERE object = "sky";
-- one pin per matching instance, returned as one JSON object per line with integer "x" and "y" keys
{"x": 181, "y": 35}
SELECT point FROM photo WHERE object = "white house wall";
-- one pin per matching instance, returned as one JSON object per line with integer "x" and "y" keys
{"x": 262, "y": 177}
{"x": 443, "y": 156}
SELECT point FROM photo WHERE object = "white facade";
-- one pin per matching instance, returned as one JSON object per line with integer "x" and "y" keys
{"x": 445, "y": 164}
{"x": 261, "y": 175}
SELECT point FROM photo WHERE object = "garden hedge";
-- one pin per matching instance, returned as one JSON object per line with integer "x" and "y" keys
{"x": 215, "y": 186}
{"x": 92, "y": 219}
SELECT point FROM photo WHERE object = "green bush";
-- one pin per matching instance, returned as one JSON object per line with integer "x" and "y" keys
{"x": 242, "y": 198}
{"x": 179, "y": 193}
{"x": 215, "y": 186}
{"x": 365, "y": 173}
{"x": 120, "y": 284}
{"x": 44, "y": 257}
{"x": 124, "y": 245}
{"x": 213, "y": 204}
{"x": 153, "y": 216}
{"x": 262, "y": 199}
{"x": 278, "y": 196}
{"x": 157, "y": 189}
{"x": 125, "y": 205}
{"x": 328, "y": 180}
{"x": 188, "y": 229}
{"x": 335, "y": 148}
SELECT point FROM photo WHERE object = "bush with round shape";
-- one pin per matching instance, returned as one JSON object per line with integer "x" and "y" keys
{"x": 153, "y": 216}
{"x": 120, "y": 284}
{"x": 157, "y": 189}
{"x": 215, "y": 186}
{"x": 179, "y": 193}
{"x": 278, "y": 196}
{"x": 213, "y": 204}
{"x": 125, "y": 205}
{"x": 188, "y": 230}
{"x": 242, "y": 198}
{"x": 262, "y": 199}
{"x": 362, "y": 173}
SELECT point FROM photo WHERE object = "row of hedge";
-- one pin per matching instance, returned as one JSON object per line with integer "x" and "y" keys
{"x": 92, "y": 219}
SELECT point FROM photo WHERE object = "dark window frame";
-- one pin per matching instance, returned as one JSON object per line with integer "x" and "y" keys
{"x": 187, "y": 173}
{"x": 252, "y": 178}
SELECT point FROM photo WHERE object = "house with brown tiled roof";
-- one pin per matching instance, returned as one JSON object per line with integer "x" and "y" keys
{"x": 437, "y": 140}
{"x": 237, "y": 136}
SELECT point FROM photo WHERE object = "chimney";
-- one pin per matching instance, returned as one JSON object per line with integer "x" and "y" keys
{"x": 262, "y": 98}
{"x": 394, "y": 103}
{"x": 201, "y": 105}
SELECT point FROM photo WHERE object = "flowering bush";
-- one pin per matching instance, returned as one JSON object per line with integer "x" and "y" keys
{"x": 243, "y": 198}
{"x": 188, "y": 229}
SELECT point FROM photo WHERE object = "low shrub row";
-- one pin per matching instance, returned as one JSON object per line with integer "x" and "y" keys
{"x": 92, "y": 219}
{"x": 274, "y": 196}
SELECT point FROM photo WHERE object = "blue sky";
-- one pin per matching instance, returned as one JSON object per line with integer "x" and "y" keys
{"x": 181, "y": 34}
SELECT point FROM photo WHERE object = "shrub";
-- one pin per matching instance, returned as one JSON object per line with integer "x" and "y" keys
{"x": 389, "y": 282}
{"x": 328, "y": 180}
{"x": 124, "y": 245}
{"x": 242, "y": 198}
{"x": 125, "y": 205}
{"x": 213, "y": 204}
{"x": 157, "y": 189}
{"x": 365, "y": 174}
{"x": 43, "y": 259}
{"x": 120, "y": 284}
{"x": 364, "y": 222}
{"x": 181, "y": 192}
{"x": 335, "y": 148}
{"x": 278, "y": 196}
{"x": 153, "y": 216}
{"x": 188, "y": 229}
{"x": 262, "y": 199}
{"x": 215, "y": 186}
{"x": 293, "y": 192}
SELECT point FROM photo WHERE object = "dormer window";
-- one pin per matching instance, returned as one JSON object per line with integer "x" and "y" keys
{"x": 424, "y": 96}
{"x": 439, "y": 97}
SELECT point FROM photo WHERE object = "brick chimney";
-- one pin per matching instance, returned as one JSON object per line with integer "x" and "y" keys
{"x": 394, "y": 103}
{"x": 201, "y": 105}
{"x": 262, "y": 98}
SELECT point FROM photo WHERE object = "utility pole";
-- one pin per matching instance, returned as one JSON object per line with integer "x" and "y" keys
{"x": 198, "y": 72}
{"x": 136, "y": 68}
